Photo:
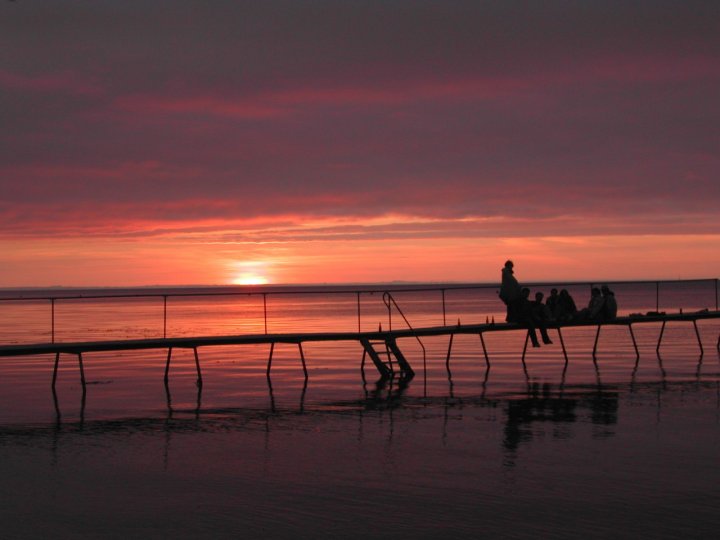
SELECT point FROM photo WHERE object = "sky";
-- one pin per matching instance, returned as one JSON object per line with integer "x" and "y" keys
{"x": 193, "y": 142}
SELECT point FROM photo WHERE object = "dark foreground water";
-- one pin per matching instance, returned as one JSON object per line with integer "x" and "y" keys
{"x": 609, "y": 448}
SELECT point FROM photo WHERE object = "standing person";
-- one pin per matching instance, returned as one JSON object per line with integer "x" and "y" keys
{"x": 510, "y": 292}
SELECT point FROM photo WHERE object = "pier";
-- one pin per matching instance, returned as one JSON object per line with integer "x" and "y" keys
{"x": 380, "y": 346}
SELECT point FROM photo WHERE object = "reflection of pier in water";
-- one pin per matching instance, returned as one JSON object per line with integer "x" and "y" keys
{"x": 541, "y": 411}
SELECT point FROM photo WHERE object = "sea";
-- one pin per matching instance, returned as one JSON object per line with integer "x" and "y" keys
{"x": 611, "y": 445}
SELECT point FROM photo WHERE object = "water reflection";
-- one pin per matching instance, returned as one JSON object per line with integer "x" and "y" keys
{"x": 56, "y": 404}
{"x": 271, "y": 395}
{"x": 386, "y": 393}
{"x": 542, "y": 409}
{"x": 168, "y": 400}
{"x": 538, "y": 413}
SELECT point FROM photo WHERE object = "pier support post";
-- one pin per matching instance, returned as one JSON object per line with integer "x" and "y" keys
{"x": 197, "y": 367}
{"x": 562, "y": 342}
{"x": 697, "y": 333}
{"x": 632, "y": 335}
{"x": 302, "y": 358}
{"x": 662, "y": 331}
{"x": 80, "y": 365}
{"x": 597, "y": 336}
{"x": 167, "y": 365}
{"x": 447, "y": 358}
{"x": 272, "y": 348}
{"x": 82, "y": 370}
{"x": 55, "y": 370}
{"x": 527, "y": 338}
{"x": 487, "y": 358}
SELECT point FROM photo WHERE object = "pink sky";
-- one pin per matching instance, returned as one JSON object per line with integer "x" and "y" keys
{"x": 291, "y": 142}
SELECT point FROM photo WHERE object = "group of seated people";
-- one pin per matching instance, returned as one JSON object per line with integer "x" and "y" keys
{"x": 559, "y": 307}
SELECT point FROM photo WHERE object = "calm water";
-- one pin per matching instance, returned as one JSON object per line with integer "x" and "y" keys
{"x": 589, "y": 449}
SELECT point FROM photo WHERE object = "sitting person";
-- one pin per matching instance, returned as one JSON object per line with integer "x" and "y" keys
{"x": 527, "y": 317}
{"x": 566, "y": 309}
{"x": 594, "y": 311}
{"x": 540, "y": 310}
{"x": 552, "y": 302}
{"x": 609, "y": 304}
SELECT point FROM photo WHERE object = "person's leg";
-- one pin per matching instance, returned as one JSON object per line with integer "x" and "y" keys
{"x": 544, "y": 334}
{"x": 513, "y": 311}
{"x": 531, "y": 332}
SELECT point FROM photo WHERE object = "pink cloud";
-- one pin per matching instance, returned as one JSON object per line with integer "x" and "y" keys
{"x": 148, "y": 104}
{"x": 70, "y": 83}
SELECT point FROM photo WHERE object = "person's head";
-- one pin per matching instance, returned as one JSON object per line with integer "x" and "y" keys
{"x": 525, "y": 292}
{"x": 595, "y": 291}
{"x": 564, "y": 293}
{"x": 553, "y": 292}
{"x": 539, "y": 296}
{"x": 605, "y": 290}
{"x": 509, "y": 264}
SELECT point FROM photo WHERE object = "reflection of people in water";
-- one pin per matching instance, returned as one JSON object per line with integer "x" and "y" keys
{"x": 543, "y": 404}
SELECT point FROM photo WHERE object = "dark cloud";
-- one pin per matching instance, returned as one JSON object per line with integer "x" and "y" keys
{"x": 228, "y": 110}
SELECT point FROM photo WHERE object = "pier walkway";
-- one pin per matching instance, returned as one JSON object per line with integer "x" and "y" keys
{"x": 380, "y": 346}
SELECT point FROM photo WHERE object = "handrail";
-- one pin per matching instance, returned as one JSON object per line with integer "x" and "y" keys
{"x": 165, "y": 293}
{"x": 389, "y": 301}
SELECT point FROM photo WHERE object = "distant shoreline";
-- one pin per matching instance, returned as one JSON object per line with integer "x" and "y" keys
{"x": 159, "y": 290}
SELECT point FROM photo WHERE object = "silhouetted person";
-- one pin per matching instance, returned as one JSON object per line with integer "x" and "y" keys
{"x": 552, "y": 303}
{"x": 527, "y": 317}
{"x": 609, "y": 308}
{"x": 541, "y": 311}
{"x": 594, "y": 311}
{"x": 566, "y": 309}
{"x": 510, "y": 292}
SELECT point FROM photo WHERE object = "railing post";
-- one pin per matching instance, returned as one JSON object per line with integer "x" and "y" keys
{"x": 358, "y": 310}
{"x": 657, "y": 296}
{"x": 716, "y": 294}
{"x": 164, "y": 316}
{"x": 389, "y": 306}
{"x": 52, "y": 320}
{"x": 265, "y": 310}
{"x": 443, "y": 304}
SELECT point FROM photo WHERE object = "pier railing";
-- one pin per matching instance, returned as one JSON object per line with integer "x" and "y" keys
{"x": 439, "y": 291}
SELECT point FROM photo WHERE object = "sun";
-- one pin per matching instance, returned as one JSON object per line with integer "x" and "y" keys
{"x": 248, "y": 272}
{"x": 249, "y": 279}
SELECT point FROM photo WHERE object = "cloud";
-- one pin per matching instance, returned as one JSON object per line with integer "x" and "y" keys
{"x": 260, "y": 122}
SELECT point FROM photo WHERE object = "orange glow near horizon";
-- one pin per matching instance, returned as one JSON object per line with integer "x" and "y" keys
{"x": 98, "y": 262}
